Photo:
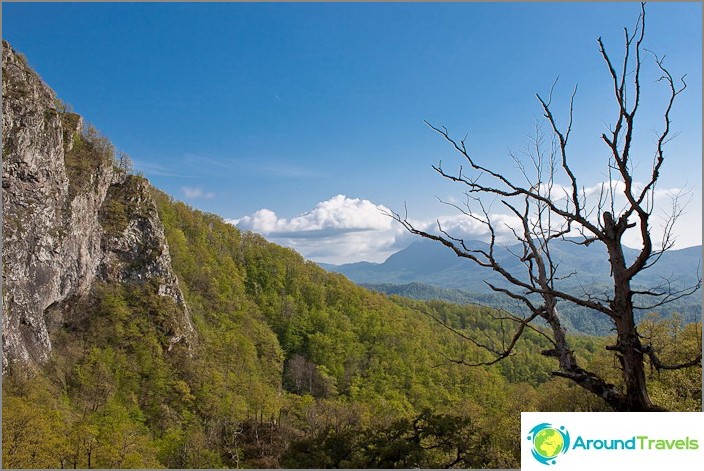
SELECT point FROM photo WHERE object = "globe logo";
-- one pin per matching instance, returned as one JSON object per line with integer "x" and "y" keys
{"x": 548, "y": 442}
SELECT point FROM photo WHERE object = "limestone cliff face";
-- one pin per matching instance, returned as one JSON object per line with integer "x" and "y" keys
{"x": 71, "y": 218}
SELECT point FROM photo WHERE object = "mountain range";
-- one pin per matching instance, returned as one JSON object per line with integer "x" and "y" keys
{"x": 427, "y": 270}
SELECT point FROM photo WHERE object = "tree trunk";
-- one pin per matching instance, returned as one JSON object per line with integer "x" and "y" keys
{"x": 571, "y": 370}
{"x": 630, "y": 354}
{"x": 628, "y": 348}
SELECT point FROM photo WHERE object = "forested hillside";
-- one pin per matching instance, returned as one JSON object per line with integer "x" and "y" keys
{"x": 427, "y": 270}
{"x": 290, "y": 367}
{"x": 141, "y": 333}
{"x": 576, "y": 319}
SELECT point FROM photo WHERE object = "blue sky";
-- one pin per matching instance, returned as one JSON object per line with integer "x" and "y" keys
{"x": 299, "y": 120}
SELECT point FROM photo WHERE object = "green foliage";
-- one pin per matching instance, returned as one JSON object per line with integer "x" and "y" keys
{"x": 113, "y": 216}
{"x": 576, "y": 319}
{"x": 291, "y": 366}
{"x": 675, "y": 342}
{"x": 42, "y": 429}
{"x": 424, "y": 441}
{"x": 90, "y": 151}
{"x": 86, "y": 150}
{"x": 70, "y": 122}
{"x": 122, "y": 204}
{"x": 32, "y": 420}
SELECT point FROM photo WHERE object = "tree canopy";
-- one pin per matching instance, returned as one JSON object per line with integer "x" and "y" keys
{"x": 292, "y": 366}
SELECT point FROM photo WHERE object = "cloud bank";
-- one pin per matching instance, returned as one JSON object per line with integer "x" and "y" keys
{"x": 344, "y": 230}
{"x": 338, "y": 230}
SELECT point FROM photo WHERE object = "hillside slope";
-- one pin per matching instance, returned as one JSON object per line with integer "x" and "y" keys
{"x": 161, "y": 336}
{"x": 138, "y": 332}
{"x": 426, "y": 261}
{"x": 428, "y": 270}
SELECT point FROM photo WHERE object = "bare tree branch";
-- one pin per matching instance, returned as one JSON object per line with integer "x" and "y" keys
{"x": 659, "y": 365}
{"x": 550, "y": 213}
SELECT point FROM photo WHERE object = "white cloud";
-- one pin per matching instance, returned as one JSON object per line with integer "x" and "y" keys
{"x": 617, "y": 186}
{"x": 339, "y": 213}
{"x": 196, "y": 192}
{"x": 687, "y": 234}
{"x": 338, "y": 230}
{"x": 465, "y": 227}
{"x": 345, "y": 230}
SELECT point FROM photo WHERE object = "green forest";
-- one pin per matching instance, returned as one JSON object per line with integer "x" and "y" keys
{"x": 292, "y": 366}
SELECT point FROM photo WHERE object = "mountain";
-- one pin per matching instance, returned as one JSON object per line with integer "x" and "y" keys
{"x": 423, "y": 291}
{"x": 429, "y": 262}
{"x": 429, "y": 270}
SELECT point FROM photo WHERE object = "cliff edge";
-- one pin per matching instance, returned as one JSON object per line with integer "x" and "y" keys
{"x": 73, "y": 217}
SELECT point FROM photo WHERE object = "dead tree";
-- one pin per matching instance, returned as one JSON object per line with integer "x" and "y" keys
{"x": 549, "y": 211}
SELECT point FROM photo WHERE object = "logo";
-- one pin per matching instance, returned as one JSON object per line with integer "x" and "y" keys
{"x": 548, "y": 442}
{"x": 611, "y": 440}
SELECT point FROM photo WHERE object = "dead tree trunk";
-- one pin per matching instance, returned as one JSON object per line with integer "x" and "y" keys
{"x": 547, "y": 217}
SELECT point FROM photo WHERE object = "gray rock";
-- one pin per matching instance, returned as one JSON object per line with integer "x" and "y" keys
{"x": 58, "y": 236}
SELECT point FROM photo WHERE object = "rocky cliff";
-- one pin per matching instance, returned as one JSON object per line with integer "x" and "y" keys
{"x": 73, "y": 217}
